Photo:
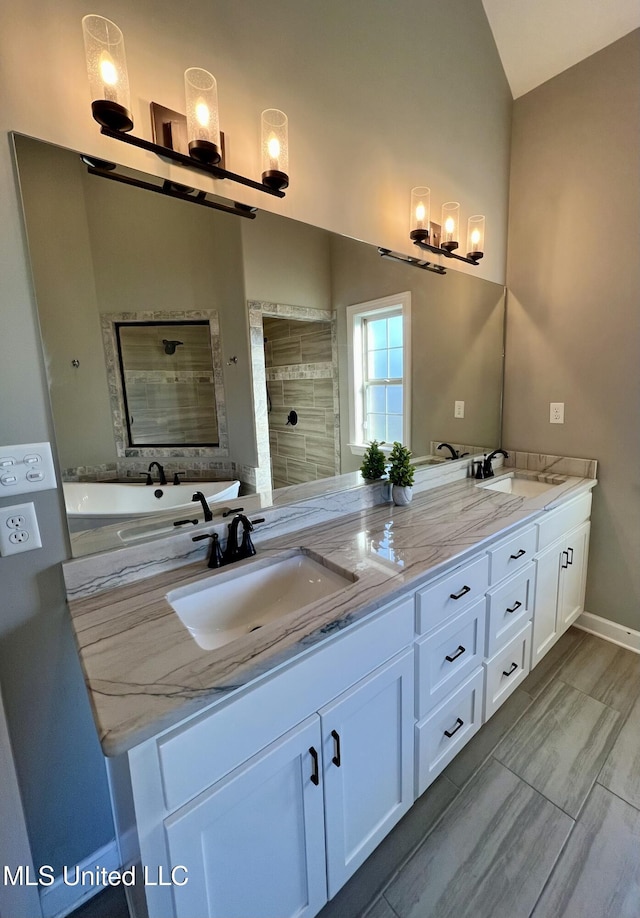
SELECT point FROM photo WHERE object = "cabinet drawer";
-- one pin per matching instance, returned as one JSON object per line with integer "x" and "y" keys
{"x": 512, "y": 554}
{"x": 451, "y": 593}
{"x": 195, "y": 755}
{"x": 441, "y": 735}
{"x": 446, "y": 656}
{"x": 556, "y": 522}
{"x": 506, "y": 670}
{"x": 509, "y": 608}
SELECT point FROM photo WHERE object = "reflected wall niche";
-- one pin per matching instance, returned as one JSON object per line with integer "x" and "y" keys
{"x": 166, "y": 386}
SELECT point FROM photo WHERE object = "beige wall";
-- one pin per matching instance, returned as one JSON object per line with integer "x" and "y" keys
{"x": 371, "y": 113}
{"x": 573, "y": 329}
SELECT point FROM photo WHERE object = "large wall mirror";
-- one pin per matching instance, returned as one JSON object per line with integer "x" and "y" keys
{"x": 272, "y": 296}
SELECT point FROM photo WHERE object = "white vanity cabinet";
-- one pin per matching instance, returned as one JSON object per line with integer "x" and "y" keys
{"x": 561, "y": 572}
{"x": 282, "y": 830}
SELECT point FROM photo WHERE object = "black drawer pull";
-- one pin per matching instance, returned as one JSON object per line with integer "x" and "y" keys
{"x": 565, "y": 563}
{"x": 449, "y": 733}
{"x": 513, "y": 608}
{"x": 315, "y": 774}
{"x": 336, "y": 748}
{"x": 465, "y": 589}
{"x": 518, "y": 554}
{"x": 514, "y": 667}
{"x": 451, "y": 657}
{"x": 570, "y": 559}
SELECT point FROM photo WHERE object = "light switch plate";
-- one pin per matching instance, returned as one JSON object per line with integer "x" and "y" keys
{"x": 458, "y": 409}
{"x": 26, "y": 467}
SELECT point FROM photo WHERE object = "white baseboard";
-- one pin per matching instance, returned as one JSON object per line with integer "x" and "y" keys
{"x": 59, "y": 899}
{"x": 610, "y": 631}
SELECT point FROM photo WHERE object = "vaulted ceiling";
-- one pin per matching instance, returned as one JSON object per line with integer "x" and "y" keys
{"x": 538, "y": 39}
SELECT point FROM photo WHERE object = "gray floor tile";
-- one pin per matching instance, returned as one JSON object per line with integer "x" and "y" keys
{"x": 621, "y": 771}
{"x": 495, "y": 847}
{"x": 598, "y": 874}
{"x": 562, "y": 650}
{"x": 609, "y": 673}
{"x": 560, "y": 744}
{"x": 357, "y": 894}
{"x": 381, "y": 909}
{"x": 469, "y": 759}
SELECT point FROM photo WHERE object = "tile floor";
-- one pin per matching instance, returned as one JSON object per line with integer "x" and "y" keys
{"x": 538, "y": 817}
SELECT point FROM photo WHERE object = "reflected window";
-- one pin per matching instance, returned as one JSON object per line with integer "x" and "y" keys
{"x": 379, "y": 354}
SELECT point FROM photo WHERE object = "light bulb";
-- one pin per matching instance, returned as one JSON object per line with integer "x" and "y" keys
{"x": 420, "y": 213}
{"x": 108, "y": 72}
{"x": 274, "y": 148}
{"x": 475, "y": 238}
{"x": 449, "y": 225}
{"x": 202, "y": 113}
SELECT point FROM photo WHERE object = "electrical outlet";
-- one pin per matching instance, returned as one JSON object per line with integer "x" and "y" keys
{"x": 458, "y": 409}
{"x": 18, "y": 529}
{"x": 556, "y": 412}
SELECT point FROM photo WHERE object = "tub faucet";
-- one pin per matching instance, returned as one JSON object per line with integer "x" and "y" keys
{"x": 206, "y": 509}
{"x": 487, "y": 467}
{"x": 162, "y": 476}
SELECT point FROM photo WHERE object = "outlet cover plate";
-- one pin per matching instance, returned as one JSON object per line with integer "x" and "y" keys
{"x": 556, "y": 412}
{"x": 18, "y": 529}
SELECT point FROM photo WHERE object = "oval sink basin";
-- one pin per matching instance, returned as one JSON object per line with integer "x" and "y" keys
{"x": 522, "y": 487}
{"x": 235, "y": 602}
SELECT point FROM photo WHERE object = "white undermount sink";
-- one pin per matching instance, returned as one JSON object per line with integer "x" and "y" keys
{"x": 521, "y": 487}
{"x": 243, "y": 598}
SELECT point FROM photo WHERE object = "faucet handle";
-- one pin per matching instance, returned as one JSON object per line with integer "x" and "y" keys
{"x": 176, "y": 477}
{"x": 149, "y": 480}
{"x": 215, "y": 555}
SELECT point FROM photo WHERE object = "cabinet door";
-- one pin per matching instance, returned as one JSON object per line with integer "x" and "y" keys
{"x": 367, "y": 736}
{"x": 254, "y": 844}
{"x": 545, "y": 626}
{"x": 573, "y": 576}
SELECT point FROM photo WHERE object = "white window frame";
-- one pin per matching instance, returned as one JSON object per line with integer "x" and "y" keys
{"x": 355, "y": 315}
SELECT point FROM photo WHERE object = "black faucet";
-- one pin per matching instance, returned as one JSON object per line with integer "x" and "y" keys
{"x": 247, "y": 549}
{"x": 454, "y": 452}
{"x": 163, "y": 477}
{"x": 487, "y": 468}
{"x": 206, "y": 509}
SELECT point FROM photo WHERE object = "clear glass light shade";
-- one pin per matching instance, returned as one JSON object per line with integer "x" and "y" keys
{"x": 107, "y": 72}
{"x": 420, "y": 217}
{"x": 450, "y": 230}
{"x": 203, "y": 123}
{"x": 275, "y": 148}
{"x": 475, "y": 236}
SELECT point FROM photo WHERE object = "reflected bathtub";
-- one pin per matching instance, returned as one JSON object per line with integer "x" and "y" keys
{"x": 90, "y": 504}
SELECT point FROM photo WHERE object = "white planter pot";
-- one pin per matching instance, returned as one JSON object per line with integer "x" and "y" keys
{"x": 402, "y": 495}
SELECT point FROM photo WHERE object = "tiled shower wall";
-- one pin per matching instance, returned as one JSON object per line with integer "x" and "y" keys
{"x": 300, "y": 377}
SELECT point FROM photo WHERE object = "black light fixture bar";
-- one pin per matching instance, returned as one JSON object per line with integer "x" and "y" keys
{"x": 187, "y": 161}
{"x": 413, "y": 262}
{"x": 170, "y": 189}
{"x": 437, "y": 250}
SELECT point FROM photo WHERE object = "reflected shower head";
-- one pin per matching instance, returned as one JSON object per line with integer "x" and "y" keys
{"x": 170, "y": 346}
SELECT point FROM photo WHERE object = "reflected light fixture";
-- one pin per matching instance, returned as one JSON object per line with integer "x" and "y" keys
{"x": 110, "y": 103}
{"x": 420, "y": 228}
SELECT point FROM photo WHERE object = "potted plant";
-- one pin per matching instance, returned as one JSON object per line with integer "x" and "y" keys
{"x": 373, "y": 462}
{"x": 401, "y": 474}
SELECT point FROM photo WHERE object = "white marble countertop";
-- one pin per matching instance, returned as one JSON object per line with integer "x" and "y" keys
{"x": 144, "y": 671}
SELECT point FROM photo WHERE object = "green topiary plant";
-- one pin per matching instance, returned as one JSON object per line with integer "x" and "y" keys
{"x": 373, "y": 462}
{"x": 401, "y": 472}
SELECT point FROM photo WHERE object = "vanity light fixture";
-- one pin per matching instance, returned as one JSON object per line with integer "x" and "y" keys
{"x": 409, "y": 260}
{"x": 109, "y": 84}
{"x": 420, "y": 229}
